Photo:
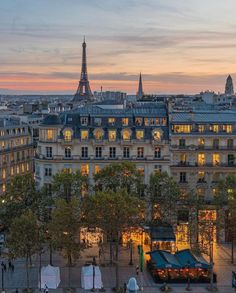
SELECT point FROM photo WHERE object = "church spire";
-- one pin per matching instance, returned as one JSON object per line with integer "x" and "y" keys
{"x": 83, "y": 92}
{"x": 140, "y": 92}
{"x": 229, "y": 87}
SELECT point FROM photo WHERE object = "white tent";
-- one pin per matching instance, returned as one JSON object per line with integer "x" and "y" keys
{"x": 50, "y": 276}
{"x": 87, "y": 277}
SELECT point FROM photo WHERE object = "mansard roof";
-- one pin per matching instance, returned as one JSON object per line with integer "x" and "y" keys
{"x": 204, "y": 117}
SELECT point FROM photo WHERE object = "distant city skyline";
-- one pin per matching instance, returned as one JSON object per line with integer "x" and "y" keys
{"x": 179, "y": 46}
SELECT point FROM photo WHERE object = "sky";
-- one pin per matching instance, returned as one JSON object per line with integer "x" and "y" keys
{"x": 180, "y": 46}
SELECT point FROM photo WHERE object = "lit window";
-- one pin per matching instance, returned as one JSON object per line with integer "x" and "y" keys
{"x": 97, "y": 169}
{"x": 111, "y": 121}
{"x": 98, "y": 134}
{"x": 141, "y": 170}
{"x": 146, "y": 121}
{"x": 112, "y": 135}
{"x": 67, "y": 135}
{"x": 201, "y": 128}
{"x": 200, "y": 193}
{"x": 216, "y": 159}
{"x": 215, "y": 128}
{"x": 22, "y": 168}
{"x": 201, "y": 159}
{"x": 3, "y": 173}
{"x": 84, "y": 134}
{"x": 49, "y": 134}
{"x": 156, "y": 134}
{"x": 27, "y": 167}
{"x": 201, "y": 142}
{"x": 228, "y": 128}
{"x": 126, "y": 134}
{"x": 157, "y": 121}
{"x": 182, "y": 128}
{"x": 4, "y": 188}
{"x": 12, "y": 171}
{"x": 22, "y": 141}
{"x": 84, "y": 169}
{"x": 183, "y": 159}
{"x": 138, "y": 121}
{"x": 67, "y": 170}
{"x": 17, "y": 169}
{"x": 201, "y": 176}
{"x": 139, "y": 134}
{"x": 125, "y": 121}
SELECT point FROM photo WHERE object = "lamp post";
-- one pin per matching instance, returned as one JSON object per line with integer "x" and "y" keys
{"x": 188, "y": 283}
{"x": 3, "y": 265}
{"x": 131, "y": 253}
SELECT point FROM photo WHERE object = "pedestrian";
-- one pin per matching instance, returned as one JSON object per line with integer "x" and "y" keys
{"x": 5, "y": 267}
{"x": 17, "y": 291}
{"x": 9, "y": 265}
{"x": 99, "y": 253}
{"x": 137, "y": 270}
{"x": 125, "y": 288}
{"x": 45, "y": 289}
{"x": 12, "y": 267}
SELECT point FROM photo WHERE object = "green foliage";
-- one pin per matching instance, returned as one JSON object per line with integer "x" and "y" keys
{"x": 117, "y": 176}
{"x": 66, "y": 185}
{"x": 23, "y": 238}
{"x": 21, "y": 195}
{"x": 164, "y": 195}
{"x": 64, "y": 228}
{"x": 113, "y": 212}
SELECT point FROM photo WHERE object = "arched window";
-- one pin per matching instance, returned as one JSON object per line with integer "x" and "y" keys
{"x": 126, "y": 134}
{"x": 98, "y": 134}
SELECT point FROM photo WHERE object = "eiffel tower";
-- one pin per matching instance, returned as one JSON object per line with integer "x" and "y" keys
{"x": 83, "y": 92}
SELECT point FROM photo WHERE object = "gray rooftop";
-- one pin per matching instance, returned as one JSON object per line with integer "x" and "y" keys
{"x": 204, "y": 117}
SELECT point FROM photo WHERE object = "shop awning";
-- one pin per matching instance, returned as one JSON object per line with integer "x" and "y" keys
{"x": 163, "y": 259}
{"x": 162, "y": 233}
{"x": 187, "y": 258}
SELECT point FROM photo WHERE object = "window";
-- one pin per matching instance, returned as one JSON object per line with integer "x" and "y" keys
{"x": 138, "y": 121}
{"x": 22, "y": 168}
{"x": 140, "y": 152}
{"x": 146, "y": 121}
{"x": 12, "y": 171}
{"x": 126, "y": 134}
{"x": 125, "y": 121}
{"x": 201, "y": 143}
{"x": 27, "y": 167}
{"x": 67, "y": 170}
{"x": 182, "y": 142}
{"x": 157, "y": 152}
{"x": 98, "y": 134}
{"x": 230, "y": 143}
{"x": 156, "y": 134}
{"x": 231, "y": 159}
{"x": 139, "y": 134}
{"x": 228, "y": 128}
{"x": 23, "y": 155}
{"x": 48, "y": 171}
{"x": 126, "y": 152}
{"x": 216, "y": 159}
{"x": 112, "y": 152}
{"x": 97, "y": 121}
{"x": 183, "y": 159}
{"x": 152, "y": 121}
{"x": 4, "y": 187}
{"x": 84, "y": 152}
{"x": 17, "y": 156}
{"x": 111, "y": 121}
{"x": 201, "y": 159}
{"x": 49, "y": 152}
{"x": 201, "y": 176}
{"x": 67, "y": 135}
{"x": 157, "y": 168}
{"x": 84, "y": 134}
{"x": 68, "y": 152}
{"x": 216, "y": 177}
{"x": 216, "y": 143}
{"x": 85, "y": 169}
{"x": 17, "y": 169}
{"x": 84, "y": 121}
{"x": 49, "y": 134}
{"x": 215, "y": 128}
{"x": 112, "y": 135}
{"x": 200, "y": 193}
{"x": 98, "y": 152}
{"x": 48, "y": 187}
{"x": 140, "y": 170}
{"x": 201, "y": 128}
{"x": 97, "y": 169}
{"x": 3, "y": 173}
{"x": 182, "y": 177}
{"x": 182, "y": 128}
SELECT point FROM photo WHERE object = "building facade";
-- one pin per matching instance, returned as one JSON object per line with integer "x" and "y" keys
{"x": 16, "y": 150}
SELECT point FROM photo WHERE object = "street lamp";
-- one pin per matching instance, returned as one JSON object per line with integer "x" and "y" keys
{"x": 188, "y": 284}
{"x": 131, "y": 253}
{"x": 3, "y": 265}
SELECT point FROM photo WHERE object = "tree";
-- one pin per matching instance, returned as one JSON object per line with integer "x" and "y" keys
{"x": 64, "y": 228}
{"x": 21, "y": 195}
{"x": 113, "y": 213}
{"x": 24, "y": 238}
{"x": 116, "y": 176}
{"x": 66, "y": 185}
{"x": 164, "y": 195}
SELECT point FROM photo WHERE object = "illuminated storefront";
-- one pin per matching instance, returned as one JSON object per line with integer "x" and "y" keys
{"x": 206, "y": 226}
{"x": 91, "y": 236}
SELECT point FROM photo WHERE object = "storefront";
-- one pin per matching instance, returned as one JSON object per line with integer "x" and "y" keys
{"x": 91, "y": 236}
{"x": 207, "y": 226}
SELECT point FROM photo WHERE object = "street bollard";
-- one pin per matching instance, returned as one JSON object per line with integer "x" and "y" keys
{"x": 132, "y": 286}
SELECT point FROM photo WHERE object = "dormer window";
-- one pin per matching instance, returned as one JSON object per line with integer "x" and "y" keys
{"x": 112, "y": 135}
{"x": 84, "y": 121}
{"x": 125, "y": 121}
{"x": 67, "y": 135}
{"x": 111, "y": 121}
{"x": 139, "y": 134}
{"x": 157, "y": 134}
{"x": 49, "y": 134}
{"x": 98, "y": 121}
{"x": 126, "y": 134}
{"x": 98, "y": 134}
{"x": 138, "y": 121}
{"x": 84, "y": 134}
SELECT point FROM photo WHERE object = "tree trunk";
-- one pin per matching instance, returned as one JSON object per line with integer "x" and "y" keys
{"x": 117, "y": 268}
{"x": 27, "y": 272}
{"x": 232, "y": 249}
{"x": 111, "y": 253}
{"x": 50, "y": 254}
